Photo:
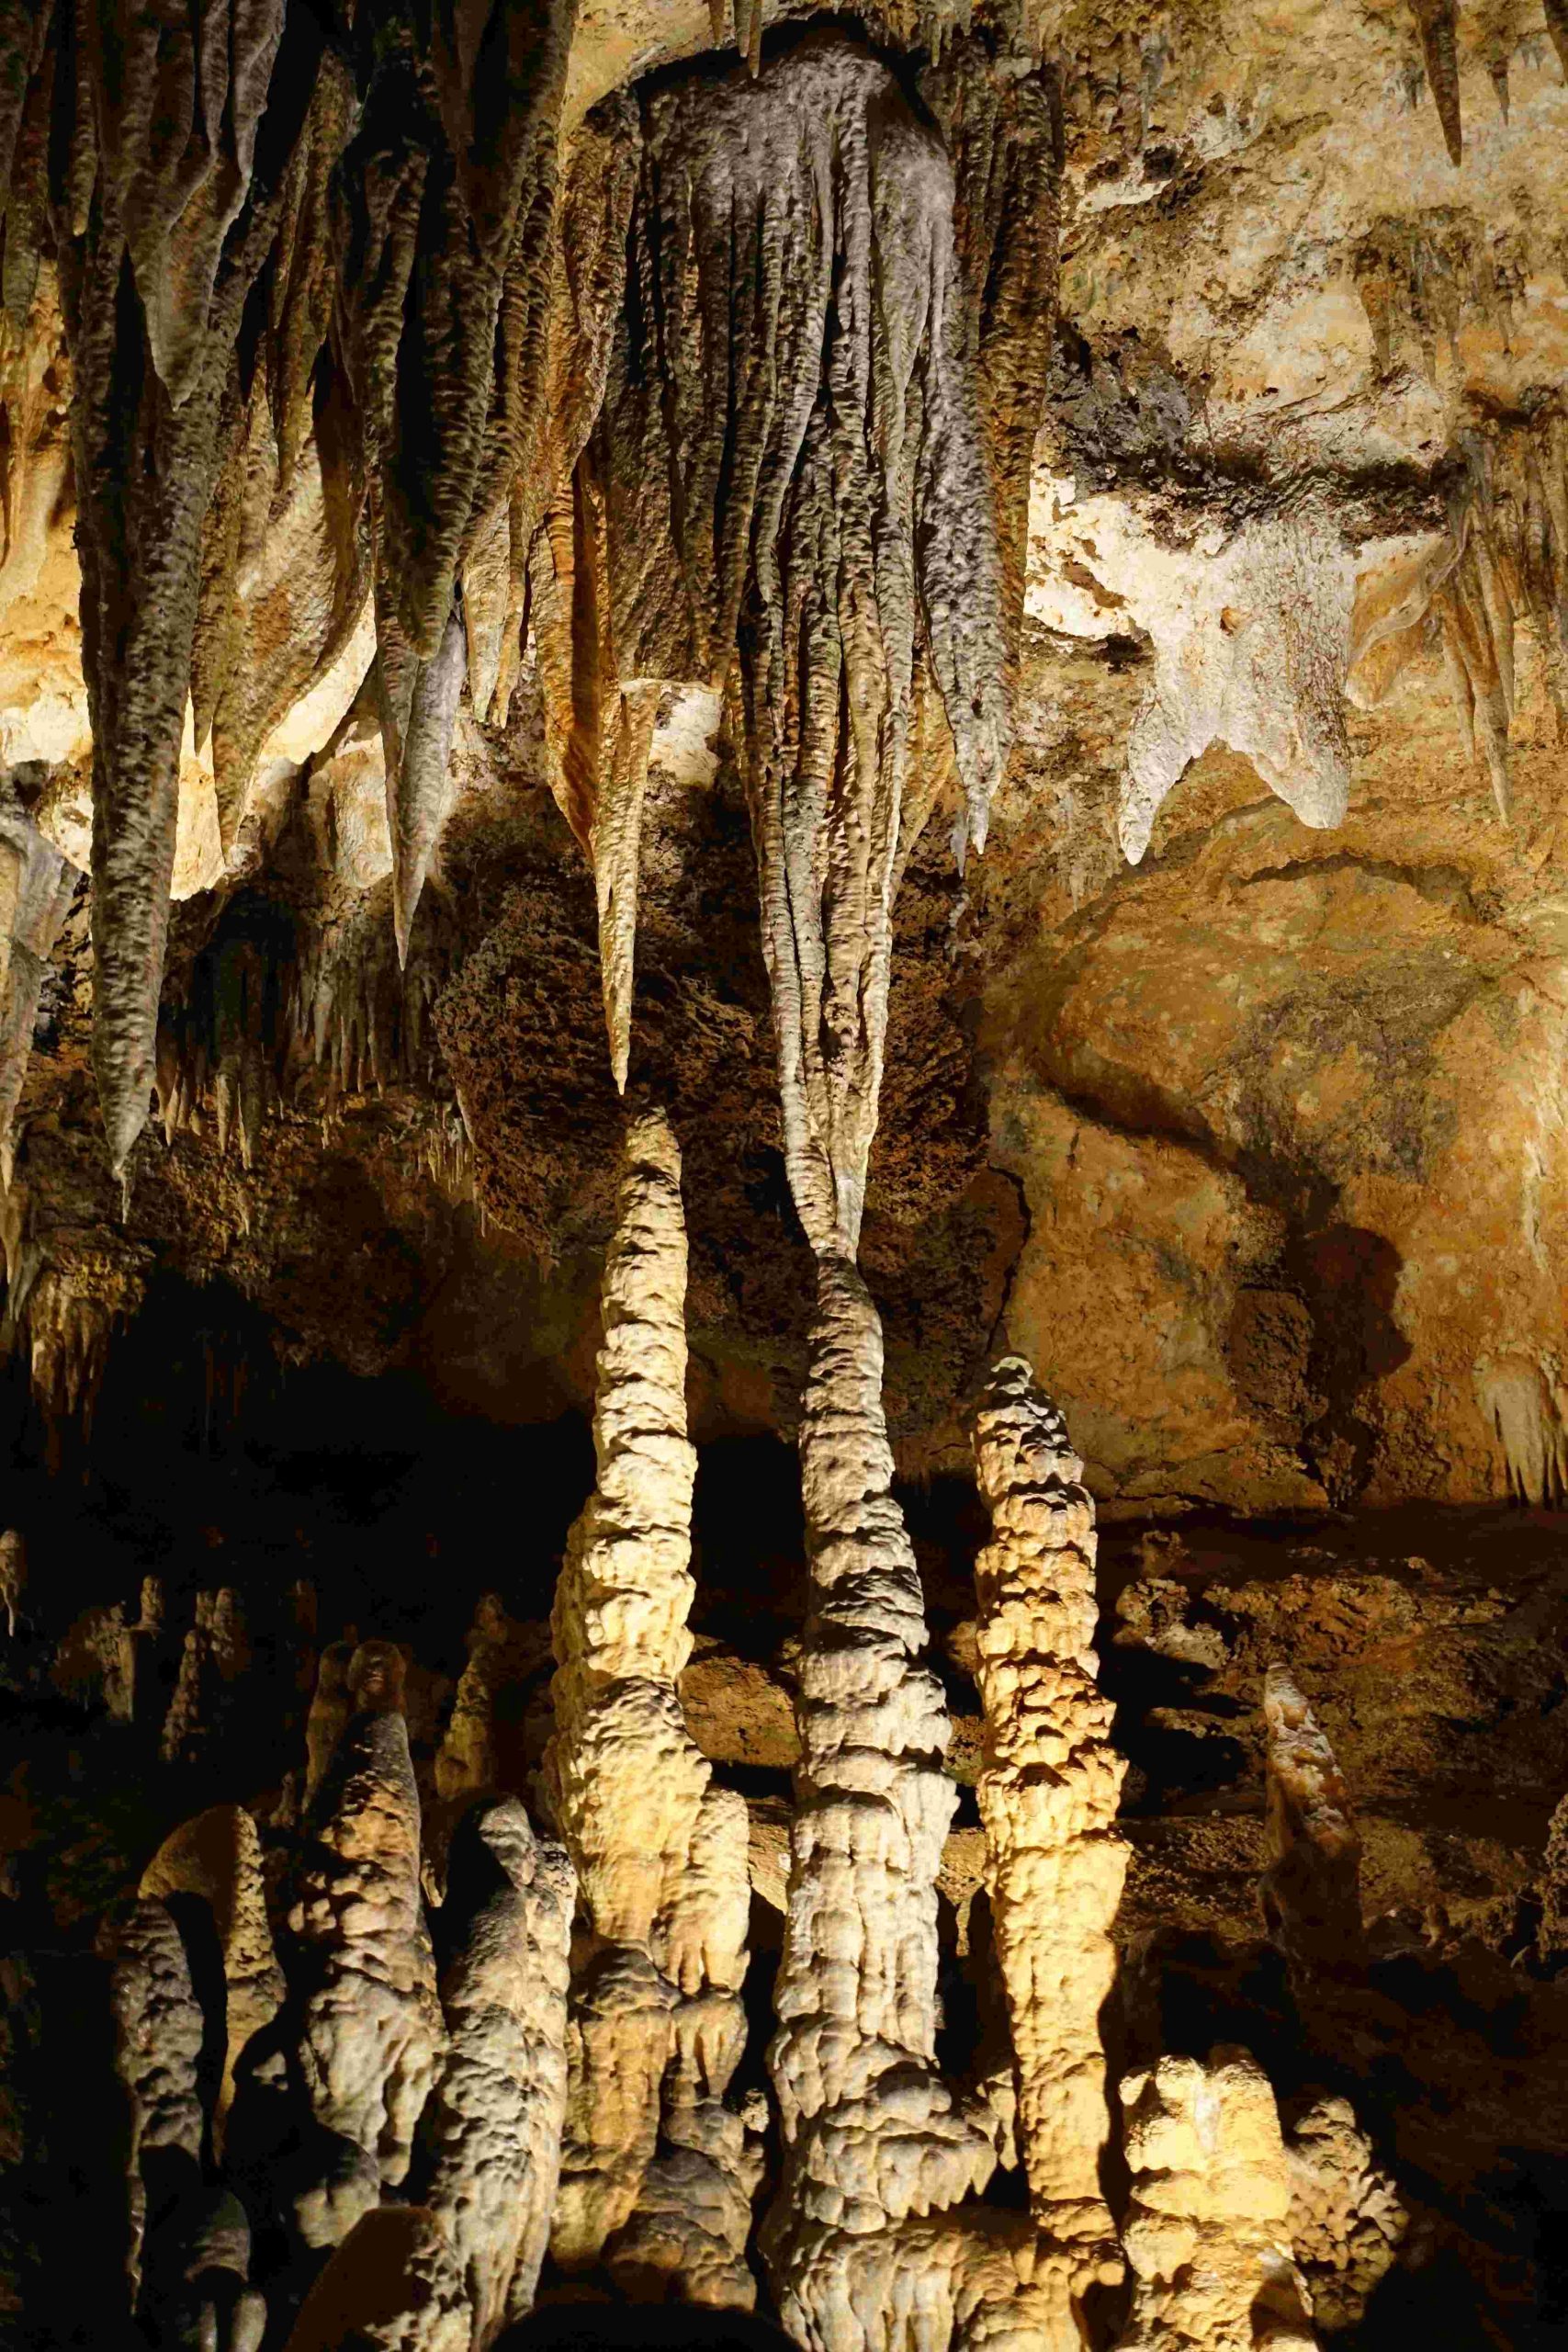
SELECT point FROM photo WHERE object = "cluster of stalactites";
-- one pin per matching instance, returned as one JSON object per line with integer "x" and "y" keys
{"x": 1437, "y": 22}
{"x": 789, "y": 490}
{"x": 659, "y": 2173}
{"x": 306, "y": 300}
{"x": 1049, "y": 1790}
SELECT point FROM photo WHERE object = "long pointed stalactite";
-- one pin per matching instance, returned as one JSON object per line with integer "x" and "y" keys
{"x": 657, "y": 2175}
{"x": 798, "y": 497}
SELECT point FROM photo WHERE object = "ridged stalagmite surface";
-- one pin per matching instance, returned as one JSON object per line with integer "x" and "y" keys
{"x": 1049, "y": 1789}
{"x": 861, "y": 2250}
{"x": 794, "y": 471}
{"x": 661, "y": 1855}
{"x": 1207, "y": 2236}
{"x": 370, "y": 2028}
{"x": 495, "y": 2121}
{"x": 1312, "y": 1889}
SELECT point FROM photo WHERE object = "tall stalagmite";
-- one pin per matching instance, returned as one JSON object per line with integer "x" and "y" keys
{"x": 660, "y": 1854}
{"x": 1049, "y": 1789}
{"x": 794, "y": 474}
{"x": 861, "y": 2244}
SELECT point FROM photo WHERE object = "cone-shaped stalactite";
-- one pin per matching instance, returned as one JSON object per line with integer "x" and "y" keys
{"x": 656, "y": 2171}
{"x": 861, "y": 2245}
{"x": 166, "y": 208}
{"x": 447, "y": 199}
{"x": 794, "y": 471}
{"x": 1049, "y": 1789}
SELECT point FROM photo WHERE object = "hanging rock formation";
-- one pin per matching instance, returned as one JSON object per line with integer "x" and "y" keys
{"x": 793, "y": 474}
{"x": 447, "y": 196}
{"x": 660, "y": 1854}
{"x": 1311, "y": 1890}
{"x": 1208, "y": 2236}
{"x": 1049, "y": 1788}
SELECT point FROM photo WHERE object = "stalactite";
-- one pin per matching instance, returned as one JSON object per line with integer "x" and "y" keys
{"x": 1312, "y": 1893}
{"x": 35, "y": 889}
{"x": 859, "y": 2245}
{"x": 155, "y": 277}
{"x": 448, "y": 195}
{"x": 1436, "y": 22}
{"x": 794, "y": 471}
{"x": 1208, "y": 2234}
{"x": 660, "y": 1854}
{"x": 370, "y": 2034}
{"x": 495, "y": 2120}
{"x": 1049, "y": 1790}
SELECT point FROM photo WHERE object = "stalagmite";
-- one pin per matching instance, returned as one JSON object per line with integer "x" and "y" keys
{"x": 1347, "y": 2220}
{"x": 370, "y": 2030}
{"x": 217, "y": 1857}
{"x": 1049, "y": 1788}
{"x": 660, "y": 1854}
{"x": 1312, "y": 1889}
{"x": 861, "y": 2251}
{"x": 215, "y": 1651}
{"x": 1208, "y": 2234}
{"x": 794, "y": 474}
{"x": 495, "y": 2120}
{"x": 159, "y": 2033}
{"x": 13, "y": 1576}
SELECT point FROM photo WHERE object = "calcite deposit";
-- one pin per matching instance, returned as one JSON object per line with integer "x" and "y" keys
{"x": 784, "y": 984}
